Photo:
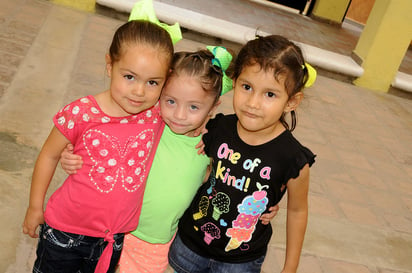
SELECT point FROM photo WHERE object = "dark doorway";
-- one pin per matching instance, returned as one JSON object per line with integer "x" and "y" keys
{"x": 304, "y": 6}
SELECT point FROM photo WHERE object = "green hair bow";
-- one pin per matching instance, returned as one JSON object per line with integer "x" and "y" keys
{"x": 143, "y": 10}
{"x": 222, "y": 59}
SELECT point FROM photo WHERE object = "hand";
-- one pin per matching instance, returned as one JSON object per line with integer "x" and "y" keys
{"x": 34, "y": 218}
{"x": 267, "y": 217}
{"x": 202, "y": 128}
{"x": 70, "y": 162}
{"x": 201, "y": 147}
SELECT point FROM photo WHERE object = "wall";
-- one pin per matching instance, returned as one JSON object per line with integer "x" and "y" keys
{"x": 359, "y": 10}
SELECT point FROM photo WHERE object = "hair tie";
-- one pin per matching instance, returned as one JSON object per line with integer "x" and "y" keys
{"x": 143, "y": 10}
{"x": 311, "y": 74}
{"x": 222, "y": 59}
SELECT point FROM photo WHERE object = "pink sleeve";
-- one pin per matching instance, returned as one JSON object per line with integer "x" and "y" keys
{"x": 68, "y": 119}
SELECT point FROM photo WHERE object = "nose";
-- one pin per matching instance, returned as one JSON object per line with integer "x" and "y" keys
{"x": 180, "y": 113}
{"x": 138, "y": 90}
{"x": 253, "y": 101}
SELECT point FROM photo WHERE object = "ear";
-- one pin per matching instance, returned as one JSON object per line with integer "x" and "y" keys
{"x": 108, "y": 65}
{"x": 294, "y": 102}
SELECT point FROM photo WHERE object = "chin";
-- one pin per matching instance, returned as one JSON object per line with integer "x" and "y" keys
{"x": 249, "y": 126}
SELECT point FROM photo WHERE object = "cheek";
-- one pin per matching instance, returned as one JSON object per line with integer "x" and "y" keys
{"x": 237, "y": 100}
{"x": 155, "y": 94}
{"x": 199, "y": 119}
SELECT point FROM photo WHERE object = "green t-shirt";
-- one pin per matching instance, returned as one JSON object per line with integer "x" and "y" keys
{"x": 174, "y": 178}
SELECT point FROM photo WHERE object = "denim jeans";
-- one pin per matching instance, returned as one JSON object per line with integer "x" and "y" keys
{"x": 184, "y": 260}
{"x": 62, "y": 252}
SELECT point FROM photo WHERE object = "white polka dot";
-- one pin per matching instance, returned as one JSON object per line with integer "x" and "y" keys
{"x": 61, "y": 120}
{"x": 95, "y": 142}
{"x": 112, "y": 162}
{"x": 76, "y": 110}
{"x": 70, "y": 125}
{"x": 94, "y": 110}
{"x": 86, "y": 117}
{"x": 129, "y": 180}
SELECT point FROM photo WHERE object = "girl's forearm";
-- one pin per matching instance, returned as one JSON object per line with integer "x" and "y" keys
{"x": 295, "y": 233}
{"x": 42, "y": 175}
{"x": 45, "y": 167}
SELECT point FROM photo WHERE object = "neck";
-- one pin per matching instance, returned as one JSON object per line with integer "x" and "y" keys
{"x": 260, "y": 137}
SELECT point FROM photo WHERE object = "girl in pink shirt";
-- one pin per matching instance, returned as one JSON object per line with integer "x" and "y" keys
{"x": 116, "y": 132}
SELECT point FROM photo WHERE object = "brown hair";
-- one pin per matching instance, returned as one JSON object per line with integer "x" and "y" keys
{"x": 283, "y": 56}
{"x": 199, "y": 64}
{"x": 144, "y": 32}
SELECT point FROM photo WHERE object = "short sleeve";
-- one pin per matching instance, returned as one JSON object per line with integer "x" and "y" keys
{"x": 303, "y": 156}
{"x": 211, "y": 131}
{"x": 67, "y": 120}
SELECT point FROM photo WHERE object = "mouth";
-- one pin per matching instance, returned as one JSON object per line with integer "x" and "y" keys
{"x": 249, "y": 114}
{"x": 177, "y": 125}
{"x": 135, "y": 102}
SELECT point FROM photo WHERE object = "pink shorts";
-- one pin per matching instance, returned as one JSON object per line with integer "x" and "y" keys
{"x": 139, "y": 256}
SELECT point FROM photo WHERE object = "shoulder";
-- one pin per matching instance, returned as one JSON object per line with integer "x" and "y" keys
{"x": 221, "y": 120}
{"x": 297, "y": 154}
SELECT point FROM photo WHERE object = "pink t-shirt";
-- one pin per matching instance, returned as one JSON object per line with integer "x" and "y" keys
{"x": 105, "y": 196}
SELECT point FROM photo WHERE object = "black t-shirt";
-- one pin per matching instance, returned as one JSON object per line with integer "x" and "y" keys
{"x": 222, "y": 221}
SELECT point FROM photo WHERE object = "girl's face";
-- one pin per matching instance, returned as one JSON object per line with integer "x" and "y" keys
{"x": 259, "y": 101}
{"x": 136, "y": 79}
{"x": 185, "y": 105}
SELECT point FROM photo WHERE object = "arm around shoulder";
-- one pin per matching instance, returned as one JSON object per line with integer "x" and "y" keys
{"x": 42, "y": 175}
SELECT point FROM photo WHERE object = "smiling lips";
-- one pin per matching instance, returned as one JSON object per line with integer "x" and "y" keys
{"x": 135, "y": 102}
{"x": 175, "y": 124}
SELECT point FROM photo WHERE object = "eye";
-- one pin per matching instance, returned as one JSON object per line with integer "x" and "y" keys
{"x": 153, "y": 83}
{"x": 129, "y": 77}
{"x": 246, "y": 87}
{"x": 193, "y": 107}
{"x": 170, "y": 101}
{"x": 270, "y": 95}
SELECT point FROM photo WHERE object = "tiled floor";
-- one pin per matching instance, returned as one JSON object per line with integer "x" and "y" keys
{"x": 361, "y": 190}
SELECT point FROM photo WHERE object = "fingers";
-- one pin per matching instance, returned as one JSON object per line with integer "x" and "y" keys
{"x": 267, "y": 217}
{"x": 70, "y": 162}
{"x": 70, "y": 147}
{"x": 31, "y": 231}
{"x": 275, "y": 209}
{"x": 71, "y": 166}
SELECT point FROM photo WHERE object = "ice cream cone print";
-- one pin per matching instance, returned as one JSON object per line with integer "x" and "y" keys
{"x": 220, "y": 204}
{"x": 211, "y": 232}
{"x": 203, "y": 206}
{"x": 233, "y": 244}
{"x": 244, "y": 225}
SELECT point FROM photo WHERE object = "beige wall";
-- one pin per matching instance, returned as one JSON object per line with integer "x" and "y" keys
{"x": 331, "y": 11}
{"x": 359, "y": 10}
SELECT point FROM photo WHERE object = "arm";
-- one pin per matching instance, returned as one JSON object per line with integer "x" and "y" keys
{"x": 70, "y": 162}
{"x": 297, "y": 217}
{"x": 42, "y": 175}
